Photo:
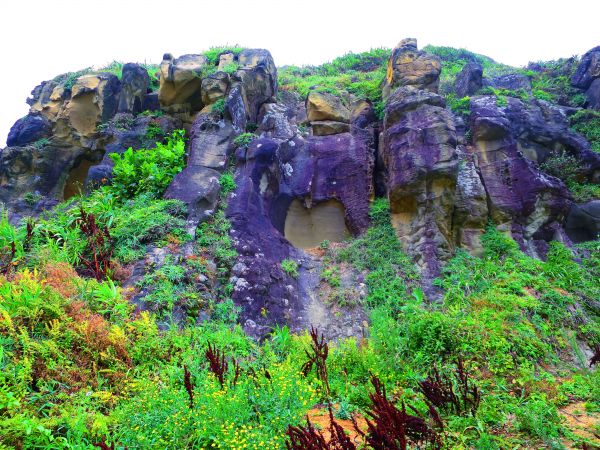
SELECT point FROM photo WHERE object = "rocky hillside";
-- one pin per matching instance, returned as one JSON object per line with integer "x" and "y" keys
{"x": 170, "y": 235}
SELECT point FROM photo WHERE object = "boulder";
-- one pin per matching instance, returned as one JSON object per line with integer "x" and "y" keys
{"x": 362, "y": 113}
{"x": 198, "y": 187}
{"x": 327, "y": 127}
{"x": 134, "y": 85}
{"x": 409, "y": 66}
{"x": 252, "y": 85}
{"x": 419, "y": 154}
{"x": 29, "y": 129}
{"x": 275, "y": 121}
{"x": 181, "y": 81}
{"x": 48, "y": 98}
{"x": 214, "y": 88}
{"x": 593, "y": 95}
{"x": 522, "y": 201}
{"x": 583, "y": 221}
{"x": 94, "y": 100}
{"x": 209, "y": 142}
{"x": 512, "y": 81}
{"x": 469, "y": 80}
{"x": 325, "y": 106}
{"x": 294, "y": 191}
{"x": 226, "y": 59}
{"x": 470, "y": 205}
{"x": 588, "y": 69}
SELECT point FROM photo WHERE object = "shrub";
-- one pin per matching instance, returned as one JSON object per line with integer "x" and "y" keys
{"x": 290, "y": 267}
{"x": 218, "y": 107}
{"x": 244, "y": 140}
{"x": 459, "y": 106}
{"x": 148, "y": 171}
{"x": 587, "y": 122}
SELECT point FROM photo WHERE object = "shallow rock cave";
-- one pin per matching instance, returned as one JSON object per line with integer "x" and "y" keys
{"x": 75, "y": 182}
{"x": 308, "y": 227}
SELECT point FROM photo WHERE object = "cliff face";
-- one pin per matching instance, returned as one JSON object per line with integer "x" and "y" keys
{"x": 310, "y": 163}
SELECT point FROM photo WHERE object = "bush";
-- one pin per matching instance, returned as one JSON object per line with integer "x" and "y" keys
{"x": 290, "y": 267}
{"x": 244, "y": 140}
{"x": 148, "y": 171}
{"x": 218, "y": 107}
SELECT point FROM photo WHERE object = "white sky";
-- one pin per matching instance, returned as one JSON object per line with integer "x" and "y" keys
{"x": 43, "y": 38}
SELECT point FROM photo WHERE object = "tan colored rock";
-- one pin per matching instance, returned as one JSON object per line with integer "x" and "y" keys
{"x": 327, "y": 127}
{"x": 409, "y": 66}
{"x": 181, "y": 80}
{"x": 225, "y": 60}
{"x": 214, "y": 88}
{"x": 94, "y": 99}
{"x": 48, "y": 99}
{"x": 324, "y": 106}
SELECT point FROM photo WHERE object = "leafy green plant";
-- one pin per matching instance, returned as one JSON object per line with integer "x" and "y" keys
{"x": 290, "y": 267}
{"x": 230, "y": 68}
{"x": 244, "y": 140}
{"x": 148, "y": 170}
{"x": 218, "y": 107}
{"x": 227, "y": 182}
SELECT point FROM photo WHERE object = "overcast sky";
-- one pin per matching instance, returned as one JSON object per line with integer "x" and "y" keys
{"x": 41, "y": 38}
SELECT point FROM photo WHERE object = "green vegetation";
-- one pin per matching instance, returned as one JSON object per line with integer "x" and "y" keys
{"x": 290, "y": 267}
{"x": 67, "y": 80}
{"x": 218, "y": 107}
{"x": 80, "y": 368}
{"x": 360, "y": 74}
{"x": 459, "y": 106}
{"x": 551, "y": 81}
{"x": 587, "y": 122}
{"x": 213, "y": 53}
{"x": 568, "y": 168}
{"x": 148, "y": 170}
{"x": 453, "y": 61}
{"x": 244, "y": 140}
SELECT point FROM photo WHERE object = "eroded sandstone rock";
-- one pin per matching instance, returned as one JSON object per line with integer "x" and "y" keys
{"x": 409, "y": 66}
{"x": 324, "y": 106}
{"x": 181, "y": 80}
{"x": 524, "y": 202}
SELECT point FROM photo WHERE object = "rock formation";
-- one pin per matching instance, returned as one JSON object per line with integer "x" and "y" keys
{"x": 587, "y": 77}
{"x": 314, "y": 163}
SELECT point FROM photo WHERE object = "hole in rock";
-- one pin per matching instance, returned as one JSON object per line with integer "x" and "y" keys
{"x": 308, "y": 227}
{"x": 76, "y": 179}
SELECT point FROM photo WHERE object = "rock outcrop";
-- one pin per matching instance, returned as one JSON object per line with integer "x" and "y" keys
{"x": 469, "y": 80}
{"x": 587, "y": 77}
{"x": 135, "y": 82}
{"x": 420, "y": 157}
{"x": 410, "y": 67}
{"x": 446, "y": 176}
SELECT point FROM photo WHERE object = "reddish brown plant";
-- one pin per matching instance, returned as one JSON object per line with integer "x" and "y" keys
{"x": 391, "y": 428}
{"x": 309, "y": 438}
{"x": 98, "y": 251}
{"x": 187, "y": 381}
{"x": 317, "y": 357}
{"x": 457, "y": 394}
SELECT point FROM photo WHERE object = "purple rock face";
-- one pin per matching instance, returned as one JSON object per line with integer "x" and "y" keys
{"x": 522, "y": 200}
{"x": 588, "y": 69}
{"x": 272, "y": 174}
{"x": 469, "y": 80}
{"x": 28, "y": 129}
{"x": 419, "y": 152}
